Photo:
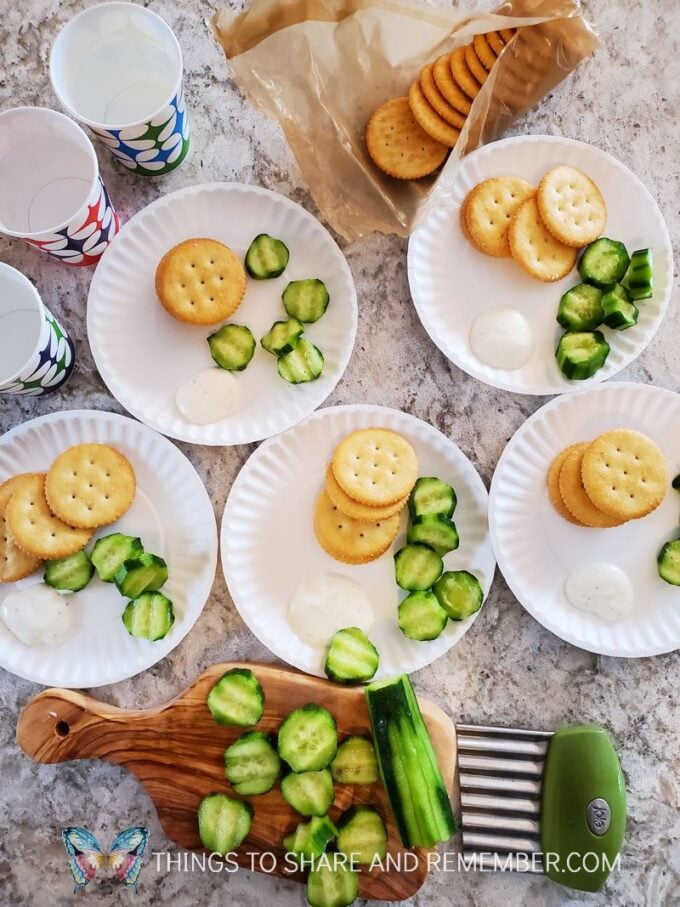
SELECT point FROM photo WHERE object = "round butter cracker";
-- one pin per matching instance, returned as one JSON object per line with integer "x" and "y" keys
{"x": 375, "y": 466}
{"x": 443, "y": 78}
{"x": 437, "y": 100}
{"x": 15, "y": 563}
{"x": 495, "y": 42}
{"x": 399, "y": 146}
{"x": 200, "y": 281}
{"x": 571, "y": 206}
{"x": 475, "y": 65}
{"x": 491, "y": 205}
{"x": 354, "y": 509}
{"x": 428, "y": 118}
{"x": 574, "y": 495}
{"x": 33, "y": 525}
{"x": 348, "y": 540}
{"x": 462, "y": 218}
{"x": 624, "y": 474}
{"x": 486, "y": 53}
{"x": 463, "y": 75}
{"x": 554, "y": 485}
{"x": 90, "y": 485}
{"x": 535, "y": 249}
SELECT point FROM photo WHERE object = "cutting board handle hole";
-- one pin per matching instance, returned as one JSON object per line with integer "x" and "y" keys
{"x": 62, "y": 729}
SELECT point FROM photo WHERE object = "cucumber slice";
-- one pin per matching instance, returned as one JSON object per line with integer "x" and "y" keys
{"x": 266, "y": 257}
{"x": 282, "y": 337}
{"x": 332, "y": 886}
{"x": 352, "y": 657}
{"x": 459, "y": 593}
{"x": 110, "y": 553}
{"x": 362, "y": 835}
{"x": 639, "y": 295}
{"x": 149, "y": 616}
{"x": 435, "y": 531}
{"x": 580, "y": 354}
{"x": 417, "y": 567}
{"x": 302, "y": 364}
{"x": 421, "y": 617}
{"x": 223, "y": 822}
{"x": 69, "y": 574}
{"x": 146, "y": 573}
{"x": 604, "y": 262}
{"x": 232, "y": 347}
{"x": 669, "y": 563}
{"x": 310, "y": 839}
{"x": 580, "y": 308}
{"x": 308, "y": 738}
{"x": 237, "y": 698}
{"x": 641, "y": 275}
{"x": 355, "y": 762}
{"x": 430, "y": 497}
{"x": 408, "y": 764}
{"x": 306, "y": 300}
{"x": 309, "y": 793}
{"x": 251, "y": 764}
{"x": 619, "y": 312}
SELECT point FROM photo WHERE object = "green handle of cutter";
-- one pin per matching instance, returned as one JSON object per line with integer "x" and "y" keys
{"x": 583, "y": 808}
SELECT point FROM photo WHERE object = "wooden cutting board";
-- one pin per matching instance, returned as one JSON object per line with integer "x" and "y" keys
{"x": 176, "y": 751}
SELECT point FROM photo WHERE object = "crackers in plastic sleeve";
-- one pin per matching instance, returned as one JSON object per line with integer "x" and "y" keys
{"x": 322, "y": 68}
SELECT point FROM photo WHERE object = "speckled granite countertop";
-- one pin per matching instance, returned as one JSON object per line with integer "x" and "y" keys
{"x": 508, "y": 669}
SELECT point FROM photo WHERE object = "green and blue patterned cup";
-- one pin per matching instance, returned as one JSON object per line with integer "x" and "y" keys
{"x": 36, "y": 353}
{"x": 117, "y": 68}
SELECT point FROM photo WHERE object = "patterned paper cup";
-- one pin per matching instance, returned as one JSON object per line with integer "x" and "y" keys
{"x": 51, "y": 194}
{"x": 117, "y": 68}
{"x": 36, "y": 353}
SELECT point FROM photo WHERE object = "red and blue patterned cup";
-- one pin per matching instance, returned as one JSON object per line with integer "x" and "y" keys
{"x": 36, "y": 353}
{"x": 51, "y": 193}
{"x": 117, "y": 68}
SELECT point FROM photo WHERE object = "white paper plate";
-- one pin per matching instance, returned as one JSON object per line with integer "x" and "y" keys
{"x": 171, "y": 513}
{"x": 143, "y": 354}
{"x": 268, "y": 543}
{"x": 451, "y": 282}
{"x": 537, "y": 549}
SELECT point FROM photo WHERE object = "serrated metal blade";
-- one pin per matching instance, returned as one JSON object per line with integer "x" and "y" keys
{"x": 500, "y": 773}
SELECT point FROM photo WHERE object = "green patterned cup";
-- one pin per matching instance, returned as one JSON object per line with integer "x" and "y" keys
{"x": 117, "y": 68}
{"x": 36, "y": 353}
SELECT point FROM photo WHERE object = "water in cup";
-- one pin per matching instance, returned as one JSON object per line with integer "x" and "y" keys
{"x": 47, "y": 196}
{"x": 20, "y": 326}
{"x": 47, "y": 171}
{"x": 120, "y": 78}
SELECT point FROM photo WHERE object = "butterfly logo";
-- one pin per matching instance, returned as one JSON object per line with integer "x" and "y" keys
{"x": 85, "y": 855}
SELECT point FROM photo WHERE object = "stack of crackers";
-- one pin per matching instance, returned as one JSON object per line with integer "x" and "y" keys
{"x": 410, "y": 137}
{"x": 620, "y": 476}
{"x": 47, "y": 516}
{"x": 542, "y": 227}
{"x": 367, "y": 485}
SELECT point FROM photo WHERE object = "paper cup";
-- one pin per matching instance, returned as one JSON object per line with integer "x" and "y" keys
{"x": 117, "y": 68}
{"x": 51, "y": 194}
{"x": 36, "y": 353}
